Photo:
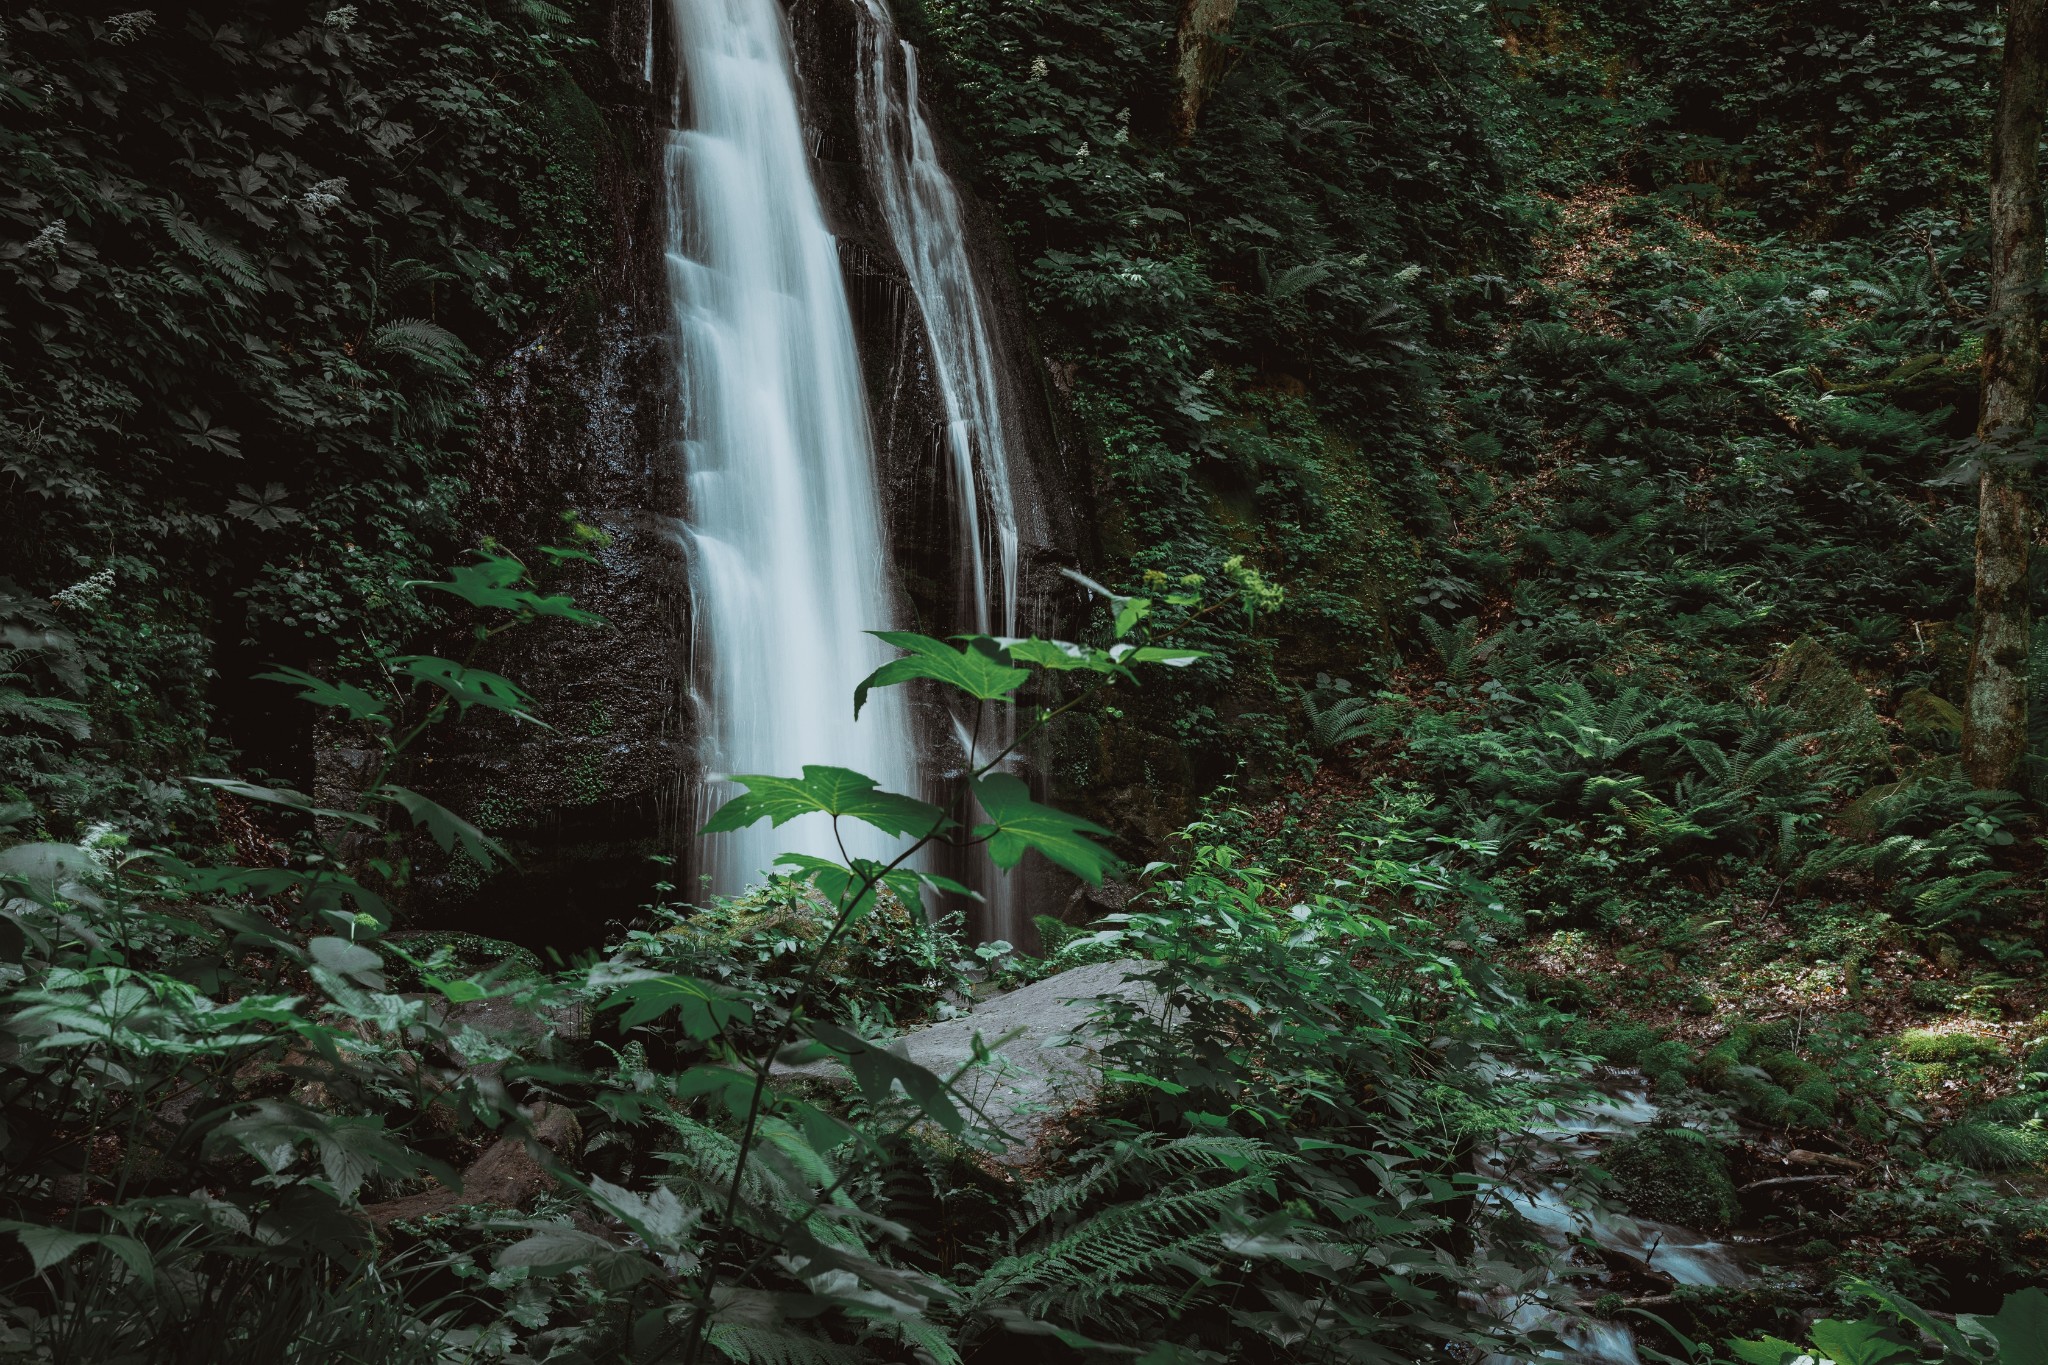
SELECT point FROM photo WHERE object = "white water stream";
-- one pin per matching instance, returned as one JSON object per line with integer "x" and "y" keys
{"x": 788, "y": 564}
{"x": 1537, "y": 1176}
{"x": 923, "y": 214}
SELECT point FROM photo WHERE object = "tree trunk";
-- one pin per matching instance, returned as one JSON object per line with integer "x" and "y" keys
{"x": 1995, "y": 711}
{"x": 1198, "y": 58}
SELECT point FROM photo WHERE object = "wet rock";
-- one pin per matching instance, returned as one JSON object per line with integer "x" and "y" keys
{"x": 510, "y": 1173}
{"x": 1044, "y": 1043}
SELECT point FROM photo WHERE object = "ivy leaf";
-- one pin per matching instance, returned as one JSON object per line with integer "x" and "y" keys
{"x": 834, "y": 791}
{"x": 359, "y": 704}
{"x": 1017, "y": 823}
{"x": 979, "y": 667}
{"x": 470, "y": 686}
{"x": 446, "y": 826}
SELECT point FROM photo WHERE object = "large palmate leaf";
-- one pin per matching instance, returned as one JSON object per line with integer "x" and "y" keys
{"x": 448, "y": 828}
{"x": 469, "y": 686}
{"x": 832, "y": 791}
{"x": 1017, "y": 823}
{"x": 979, "y": 667}
{"x": 283, "y": 796}
{"x": 495, "y": 581}
{"x": 837, "y": 882}
{"x": 359, "y": 704}
{"x": 704, "y": 1009}
{"x": 878, "y": 1071}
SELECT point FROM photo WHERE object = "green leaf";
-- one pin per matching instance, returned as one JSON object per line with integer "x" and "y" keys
{"x": 446, "y": 826}
{"x": 1017, "y": 823}
{"x": 559, "y": 1250}
{"x": 878, "y": 1071}
{"x": 1130, "y": 611}
{"x": 704, "y": 1009}
{"x": 2021, "y": 1328}
{"x": 47, "y": 1247}
{"x": 834, "y": 791}
{"x": 735, "y": 1089}
{"x": 286, "y": 797}
{"x": 1768, "y": 1351}
{"x": 494, "y": 582}
{"x": 469, "y": 686}
{"x": 979, "y": 667}
{"x": 359, "y": 704}
{"x": 46, "y": 870}
{"x": 1863, "y": 1342}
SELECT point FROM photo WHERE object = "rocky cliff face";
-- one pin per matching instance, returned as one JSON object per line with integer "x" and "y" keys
{"x": 581, "y": 421}
{"x": 576, "y": 426}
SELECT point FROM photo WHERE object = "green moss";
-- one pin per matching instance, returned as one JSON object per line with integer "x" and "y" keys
{"x": 1676, "y": 1176}
{"x": 1929, "y": 1045}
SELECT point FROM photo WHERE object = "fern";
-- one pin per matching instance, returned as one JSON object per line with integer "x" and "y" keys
{"x": 1335, "y": 716}
{"x": 428, "y": 343}
{"x": 756, "y": 1344}
{"x": 1455, "y": 646}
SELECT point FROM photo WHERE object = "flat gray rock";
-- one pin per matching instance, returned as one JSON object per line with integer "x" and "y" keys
{"x": 1046, "y": 1067}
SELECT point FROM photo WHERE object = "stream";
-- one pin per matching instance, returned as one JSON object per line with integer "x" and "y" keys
{"x": 1539, "y": 1174}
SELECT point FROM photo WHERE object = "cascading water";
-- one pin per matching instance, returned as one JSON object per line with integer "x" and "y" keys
{"x": 787, "y": 563}
{"x": 923, "y": 214}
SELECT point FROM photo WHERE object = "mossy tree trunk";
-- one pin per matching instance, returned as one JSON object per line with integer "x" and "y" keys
{"x": 1198, "y": 54}
{"x": 1995, "y": 711}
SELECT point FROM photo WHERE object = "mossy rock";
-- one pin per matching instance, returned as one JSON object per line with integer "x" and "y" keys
{"x": 1788, "y": 1068}
{"x": 1674, "y": 1175}
{"x": 1954, "y": 1046}
{"x": 1818, "y": 1094}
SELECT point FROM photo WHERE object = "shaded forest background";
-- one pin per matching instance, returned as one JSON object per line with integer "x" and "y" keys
{"x": 1593, "y": 379}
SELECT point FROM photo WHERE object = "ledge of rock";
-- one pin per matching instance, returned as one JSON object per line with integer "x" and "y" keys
{"x": 1049, "y": 1064}
{"x": 509, "y": 1174}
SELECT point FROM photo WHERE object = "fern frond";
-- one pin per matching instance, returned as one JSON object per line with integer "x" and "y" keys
{"x": 750, "y": 1344}
{"x": 429, "y": 343}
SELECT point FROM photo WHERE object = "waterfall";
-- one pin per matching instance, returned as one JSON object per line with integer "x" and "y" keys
{"x": 788, "y": 569}
{"x": 923, "y": 215}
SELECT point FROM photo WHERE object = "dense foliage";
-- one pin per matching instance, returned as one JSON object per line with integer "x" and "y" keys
{"x": 254, "y": 253}
{"x": 1562, "y": 408}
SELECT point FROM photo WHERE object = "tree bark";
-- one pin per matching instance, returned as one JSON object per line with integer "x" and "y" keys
{"x": 1995, "y": 710}
{"x": 1198, "y": 58}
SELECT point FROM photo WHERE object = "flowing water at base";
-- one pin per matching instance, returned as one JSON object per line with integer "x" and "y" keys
{"x": 1538, "y": 1175}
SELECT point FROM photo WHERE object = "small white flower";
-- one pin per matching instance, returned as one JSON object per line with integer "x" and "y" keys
{"x": 1818, "y": 294}
{"x": 323, "y": 196}
{"x": 126, "y": 28}
{"x": 1038, "y": 68}
{"x": 88, "y": 593}
{"x": 50, "y": 238}
{"x": 1407, "y": 273}
{"x": 1082, "y": 155}
{"x": 342, "y": 19}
